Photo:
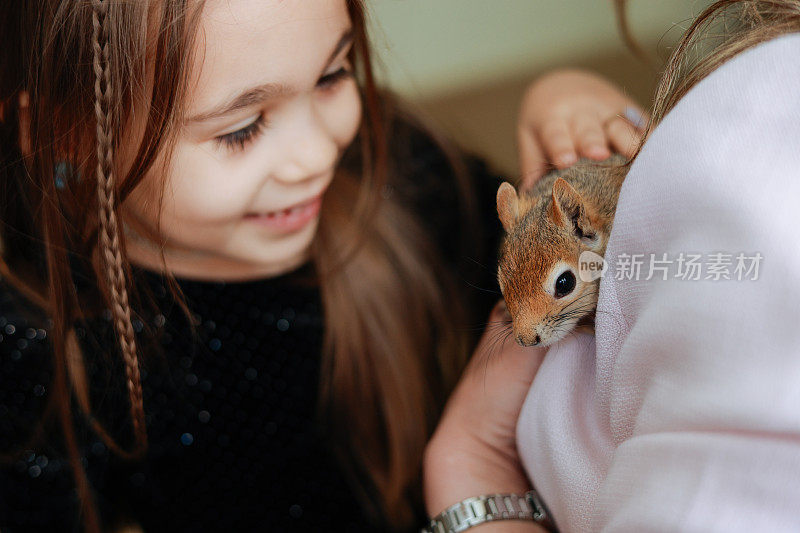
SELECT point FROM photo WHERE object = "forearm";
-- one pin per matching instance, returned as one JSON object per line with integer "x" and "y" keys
{"x": 473, "y": 451}
{"x": 452, "y": 475}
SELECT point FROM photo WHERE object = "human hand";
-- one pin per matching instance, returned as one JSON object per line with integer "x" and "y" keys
{"x": 473, "y": 450}
{"x": 569, "y": 114}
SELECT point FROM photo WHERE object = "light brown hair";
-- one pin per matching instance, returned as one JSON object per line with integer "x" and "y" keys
{"x": 394, "y": 344}
{"x": 721, "y": 31}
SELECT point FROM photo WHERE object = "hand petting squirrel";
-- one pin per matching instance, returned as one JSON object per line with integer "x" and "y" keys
{"x": 565, "y": 115}
{"x": 569, "y": 114}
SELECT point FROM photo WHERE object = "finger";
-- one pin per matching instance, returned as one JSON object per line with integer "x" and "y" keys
{"x": 590, "y": 138}
{"x": 499, "y": 312}
{"x": 624, "y": 137}
{"x": 510, "y": 363}
{"x": 510, "y": 349}
{"x": 498, "y": 321}
{"x": 558, "y": 144}
{"x": 532, "y": 159}
{"x": 636, "y": 116}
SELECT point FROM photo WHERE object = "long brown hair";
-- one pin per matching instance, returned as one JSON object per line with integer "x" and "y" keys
{"x": 62, "y": 110}
{"x": 393, "y": 346}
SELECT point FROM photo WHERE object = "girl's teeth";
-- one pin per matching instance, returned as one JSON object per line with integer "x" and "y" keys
{"x": 286, "y": 212}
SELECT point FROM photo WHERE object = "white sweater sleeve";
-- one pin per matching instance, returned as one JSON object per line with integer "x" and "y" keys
{"x": 690, "y": 406}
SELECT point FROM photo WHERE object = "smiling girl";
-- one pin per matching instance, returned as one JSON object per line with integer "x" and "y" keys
{"x": 238, "y": 283}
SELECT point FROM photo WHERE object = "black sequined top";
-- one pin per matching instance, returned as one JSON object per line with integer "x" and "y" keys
{"x": 233, "y": 442}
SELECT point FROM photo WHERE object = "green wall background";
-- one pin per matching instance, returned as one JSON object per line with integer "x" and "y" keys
{"x": 464, "y": 64}
{"x": 431, "y": 47}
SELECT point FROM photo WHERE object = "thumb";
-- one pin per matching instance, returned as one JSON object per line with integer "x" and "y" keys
{"x": 503, "y": 357}
{"x": 532, "y": 157}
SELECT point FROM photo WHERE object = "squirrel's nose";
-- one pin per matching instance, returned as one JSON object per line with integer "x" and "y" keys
{"x": 523, "y": 342}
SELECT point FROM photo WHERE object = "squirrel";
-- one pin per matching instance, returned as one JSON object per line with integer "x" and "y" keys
{"x": 567, "y": 212}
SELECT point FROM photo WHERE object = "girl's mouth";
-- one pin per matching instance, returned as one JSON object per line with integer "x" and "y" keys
{"x": 288, "y": 220}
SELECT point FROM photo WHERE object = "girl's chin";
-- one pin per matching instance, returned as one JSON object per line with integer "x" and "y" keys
{"x": 287, "y": 255}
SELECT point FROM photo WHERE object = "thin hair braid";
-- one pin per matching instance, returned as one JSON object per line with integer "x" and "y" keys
{"x": 110, "y": 249}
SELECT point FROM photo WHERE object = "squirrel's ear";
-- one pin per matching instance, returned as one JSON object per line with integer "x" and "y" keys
{"x": 507, "y": 205}
{"x": 568, "y": 209}
{"x": 565, "y": 202}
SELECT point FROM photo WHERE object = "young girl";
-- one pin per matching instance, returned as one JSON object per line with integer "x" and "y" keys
{"x": 238, "y": 283}
{"x": 680, "y": 414}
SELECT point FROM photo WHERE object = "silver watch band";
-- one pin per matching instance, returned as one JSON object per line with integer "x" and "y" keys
{"x": 480, "y": 509}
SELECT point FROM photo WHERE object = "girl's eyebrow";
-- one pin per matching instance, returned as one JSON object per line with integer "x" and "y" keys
{"x": 344, "y": 40}
{"x": 265, "y": 91}
{"x": 249, "y": 97}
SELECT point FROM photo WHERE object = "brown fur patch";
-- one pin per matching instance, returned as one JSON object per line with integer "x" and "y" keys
{"x": 543, "y": 233}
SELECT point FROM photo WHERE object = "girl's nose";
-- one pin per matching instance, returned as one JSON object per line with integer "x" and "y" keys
{"x": 310, "y": 152}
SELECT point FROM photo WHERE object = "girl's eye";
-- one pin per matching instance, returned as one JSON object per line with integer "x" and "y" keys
{"x": 329, "y": 80}
{"x": 237, "y": 140}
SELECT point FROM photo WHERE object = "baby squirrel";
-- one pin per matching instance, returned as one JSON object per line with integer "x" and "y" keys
{"x": 547, "y": 229}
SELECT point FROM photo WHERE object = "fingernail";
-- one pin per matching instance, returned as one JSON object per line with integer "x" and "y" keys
{"x": 635, "y": 117}
{"x": 598, "y": 152}
{"x": 566, "y": 159}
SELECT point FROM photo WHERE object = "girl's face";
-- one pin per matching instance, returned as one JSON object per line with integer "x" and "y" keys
{"x": 272, "y": 109}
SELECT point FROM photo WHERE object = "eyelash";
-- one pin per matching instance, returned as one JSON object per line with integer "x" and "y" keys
{"x": 329, "y": 80}
{"x": 238, "y": 140}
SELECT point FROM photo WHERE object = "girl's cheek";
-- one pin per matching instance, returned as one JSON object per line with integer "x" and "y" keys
{"x": 146, "y": 198}
{"x": 200, "y": 195}
{"x": 343, "y": 113}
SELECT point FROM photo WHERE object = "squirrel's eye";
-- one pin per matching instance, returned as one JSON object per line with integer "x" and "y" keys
{"x": 565, "y": 284}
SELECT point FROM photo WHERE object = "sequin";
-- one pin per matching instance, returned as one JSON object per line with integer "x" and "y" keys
{"x": 233, "y": 427}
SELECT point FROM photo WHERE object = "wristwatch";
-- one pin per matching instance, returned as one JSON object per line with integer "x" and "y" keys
{"x": 489, "y": 507}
